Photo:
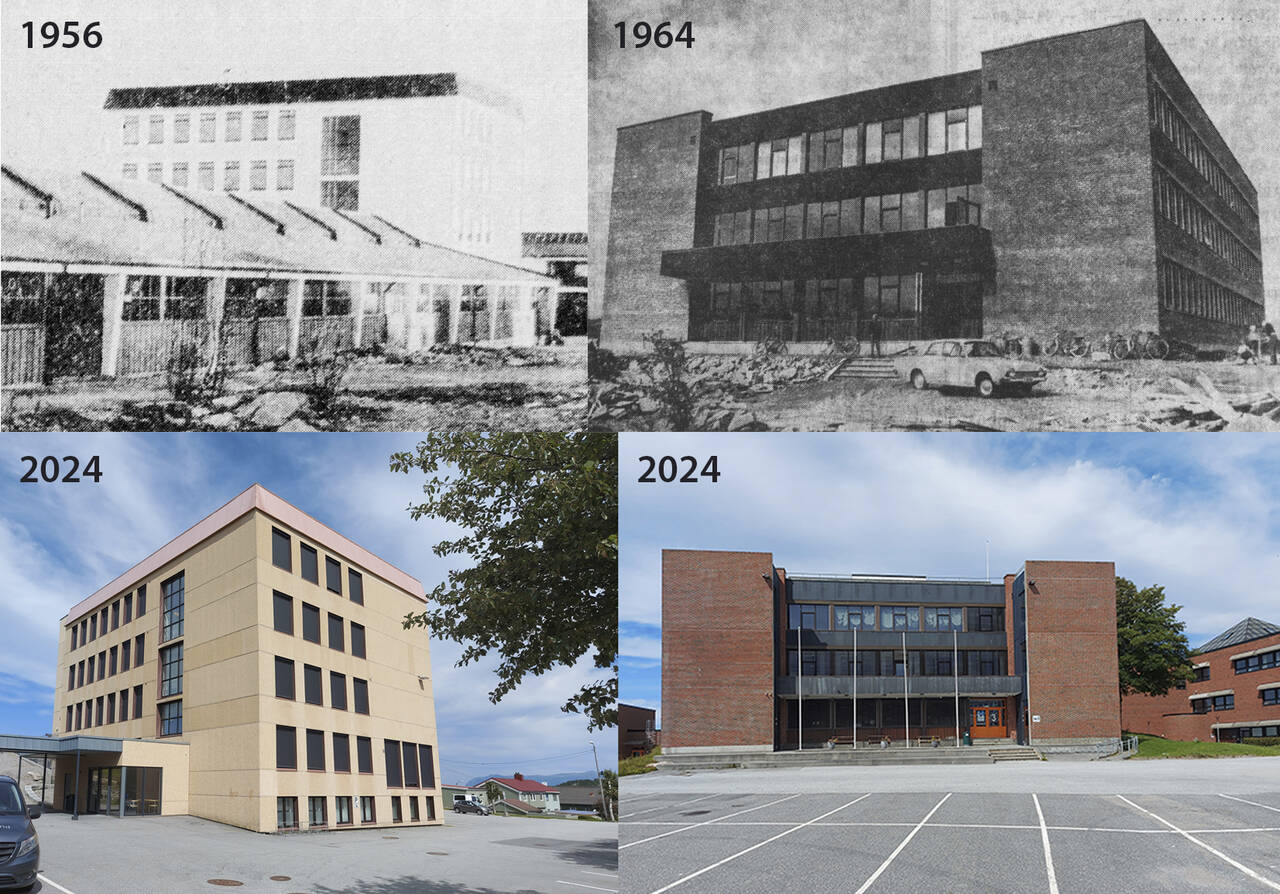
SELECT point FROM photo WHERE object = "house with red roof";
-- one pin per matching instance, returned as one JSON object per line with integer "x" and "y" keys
{"x": 527, "y": 791}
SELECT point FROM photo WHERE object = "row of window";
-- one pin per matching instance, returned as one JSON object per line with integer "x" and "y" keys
{"x": 313, "y": 686}
{"x": 282, "y": 620}
{"x": 1270, "y": 696}
{"x": 317, "y": 811}
{"x": 890, "y": 663}
{"x": 1198, "y": 675}
{"x": 1264, "y": 661}
{"x": 1175, "y": 127}
{"x": 1241, "y": 734}
{"x": 180, "y": 174}
{"x": 102, "y": 710}
{"x": 232, "y": 130}
{"x": 408, "y": 764}
{"x": 107, "y": 663}
{"x": 891, "y": 213}
{"x": 1194, "y": 293}
{"x": 1214, "y": 703}
{"x": 95, "y": 625}
{"x": 894, "y": 617}
{"x": 309, "y": 558}
{"x": 1179, "y": 206}
{"x": 817, "y": 302}
{"x": 873, "y": 713}
{"x": 935, "y": 133}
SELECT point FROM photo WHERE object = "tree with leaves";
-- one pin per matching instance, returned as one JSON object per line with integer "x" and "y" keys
{"x": 609, "y": 782}
{"x": 1154, "y": 653}
{"x": 492, "y": 793}
{"x": 540, "y": 515}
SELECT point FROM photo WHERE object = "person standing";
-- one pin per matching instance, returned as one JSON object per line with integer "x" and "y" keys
{"x": 877, "y": 332}
{"x": 1272, "y": 342}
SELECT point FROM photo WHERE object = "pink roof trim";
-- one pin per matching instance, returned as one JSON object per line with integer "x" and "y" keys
{"x": 255, "y": 497}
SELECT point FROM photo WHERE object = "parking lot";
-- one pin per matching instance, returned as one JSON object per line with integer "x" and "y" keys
{"x": 950, "y": 842}
{"x": 468, "y": 855}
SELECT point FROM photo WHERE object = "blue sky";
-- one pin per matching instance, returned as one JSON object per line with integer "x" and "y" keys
{"x": 60, "y": 542}
{"x": 1198, "y": 514}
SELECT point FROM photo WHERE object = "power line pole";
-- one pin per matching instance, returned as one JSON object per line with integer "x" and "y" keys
{"x": 604, "y": 803}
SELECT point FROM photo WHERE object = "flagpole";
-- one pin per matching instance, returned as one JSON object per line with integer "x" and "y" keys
{"x": 906, "y": 685}
{"x": 855, "y": 684}
{"x": 955, "y": 672}
{"x": 799, "y": 694}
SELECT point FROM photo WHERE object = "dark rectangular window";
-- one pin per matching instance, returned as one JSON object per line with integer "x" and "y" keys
{"x": 313, "y": 686}
{"x": 340, "y": 146}
{"x": 414, "y": 816}
{"x": 809, "y": 617}
{"x": 138, "y": 642}
{"x": 1271, "y": 696}
{"x": 360, "y": 695}
{"x": 111, "y": 707}
{"x": 102, "y": 623}
{"x": 426, "y": 764}
{"x": 315, "y": 809}
{"x": 333, "y": 574}
{"x": 431, "y": 807}
{"x": 310, "y": 623}
{"x": 102, "y": 665}
{"x": 92, "y": 659}
{"x": 392, "y": 751}
{"x": 124, "y": 704}
{"x": 396, "y": 815}
{"x": 93, "y": 627}
{"x": 171, "y": 670}
{"x": 1251, "y": 663}
{"x": 284, "y": 678}
{"x": 341, "y": 753}
{"x": 137, "y": 700}
{"x": 80, "y": 673}
{"x": 115, "y": 614}
{"x": 281, "y": 553}
{"x": 79, "y": 714}
{"x": 342, "y": 810}
{"x": 170, "y": 718}
{"x": 410, "y": 761}
{"x": 315, "y": 749}
{"x": 174, "y": 599}
{"x": 364, "y": 754}
{"x": 286, "y": 748}
{"x": 355, "y": 583}
{"x": 71, "y": 677}
{"x": 128, "y": 607}
{"x": 142, "y": 600}
{"x": 69, "y": 719}
{"x": 337, "y": 691}
{"x": 1200, "y": 674}
{"x": 282, "y": 607}
{"x": 286, "y": 813}
{"x": 310, "y": 568}
{"x": 336, "y": 639}
{"x": 367, "y": 814}
{"x": 357, "y": 639}
{"x": 1213, "y": 703}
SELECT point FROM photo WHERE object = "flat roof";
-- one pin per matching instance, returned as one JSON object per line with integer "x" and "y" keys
{"x": 402, "y": 86}
{"x": 64, "y": 745}
{"x": 254, "y": 497}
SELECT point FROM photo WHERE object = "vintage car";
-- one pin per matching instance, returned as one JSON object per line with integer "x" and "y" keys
{"x": 970, "y": 363}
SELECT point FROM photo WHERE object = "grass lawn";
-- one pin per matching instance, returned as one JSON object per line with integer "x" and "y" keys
{"x": 633, "y": 766}
{"x": 1154, "y": 746}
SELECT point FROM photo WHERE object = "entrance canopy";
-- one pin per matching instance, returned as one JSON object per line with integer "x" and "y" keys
{"x": 34, "y": 746}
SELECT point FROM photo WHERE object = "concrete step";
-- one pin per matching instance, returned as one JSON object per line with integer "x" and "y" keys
{"x": 1014, "y": 754}
{"x": 866, "y": 368}
{"x": 835, "y": 757}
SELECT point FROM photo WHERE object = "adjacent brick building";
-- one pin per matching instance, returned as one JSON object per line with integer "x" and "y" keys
{"x": 756, "y": 659}
{"x": 1234, "y": 696}
{"x": 1072, "y": 182}
{"x": 637, "y": 730}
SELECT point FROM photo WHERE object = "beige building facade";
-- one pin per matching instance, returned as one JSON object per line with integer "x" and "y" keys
{"x": 258, "y": 672}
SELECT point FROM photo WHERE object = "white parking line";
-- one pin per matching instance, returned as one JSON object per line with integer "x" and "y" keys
{"x": 592, "y": 887}
{"x": 1024, "y": 828}
{"x": 692, "y": 875}
{"x": 669, "y": 806}
{"x": 605, "y": 874}
{"x": 897, "y": 850}
{"x": 1044, "y": 837}
{"x": 1217, "y": 853}
{"x": 706, "y": 823}
{"x": 1254, "y": 803}
{"x": 51, "y": 883}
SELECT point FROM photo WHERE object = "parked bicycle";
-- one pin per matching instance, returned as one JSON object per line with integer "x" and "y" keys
{"x": 1067, "y": 344}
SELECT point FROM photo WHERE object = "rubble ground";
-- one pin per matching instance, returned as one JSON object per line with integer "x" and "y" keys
{"x": 785, "y": 393}
{"x": 460, "y": 388}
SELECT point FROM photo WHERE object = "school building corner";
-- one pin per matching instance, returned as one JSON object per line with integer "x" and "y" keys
{"x": 806, "y": 659}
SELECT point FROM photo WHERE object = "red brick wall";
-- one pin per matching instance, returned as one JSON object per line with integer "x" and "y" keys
{"x": 717, "y": 648}
{"x": 1073, "y": 674}
{"x": 1170, "y": 715}
{"x": 632, "y": 723}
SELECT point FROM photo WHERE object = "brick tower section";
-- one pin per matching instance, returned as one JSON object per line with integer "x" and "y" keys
{"x": 1072, "y": 665}
{"x": 717, "y": 651}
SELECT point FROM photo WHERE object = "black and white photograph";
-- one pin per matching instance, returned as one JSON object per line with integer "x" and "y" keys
{"x": 294, "y": 216}
{"x": 935, "y": 215}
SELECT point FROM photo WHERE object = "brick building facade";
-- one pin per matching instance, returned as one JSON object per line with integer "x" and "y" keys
{"x": 758, "y": 659}
{"x": 1072, "y": 182}
{"x": 1234, "y": 696}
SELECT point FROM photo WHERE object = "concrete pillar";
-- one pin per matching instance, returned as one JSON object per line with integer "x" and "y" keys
{"x": 293, "y": 310}
{"x": 455, "y": 313}
{"x": 491, "y": 303}
{"x": 112, "y": 321}
{"x": 524, "y": 321}
{"x": 361, "y": 290}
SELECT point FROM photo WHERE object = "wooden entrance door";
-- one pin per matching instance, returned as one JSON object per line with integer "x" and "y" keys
{"x": 988, "y": 722}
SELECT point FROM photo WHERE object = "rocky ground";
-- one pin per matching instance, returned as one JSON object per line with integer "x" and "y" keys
{"x": 785, "y": 393}
{"x": 524, "y": 389}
